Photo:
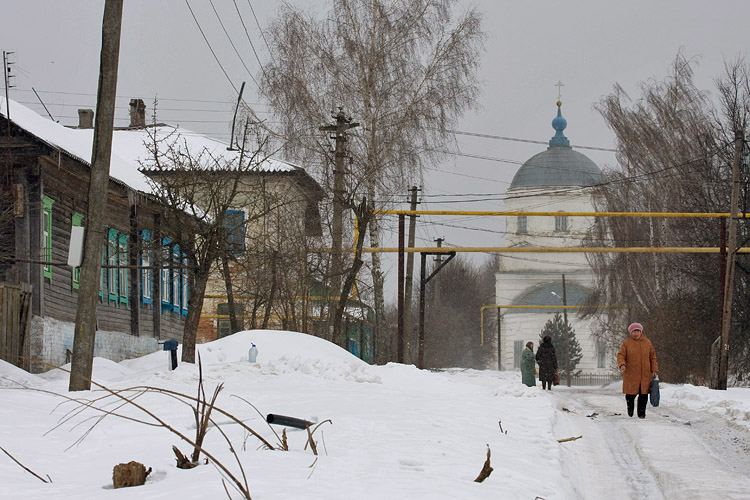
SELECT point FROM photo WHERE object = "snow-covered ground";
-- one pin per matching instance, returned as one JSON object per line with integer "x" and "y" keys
{"x": 395, "y": 432}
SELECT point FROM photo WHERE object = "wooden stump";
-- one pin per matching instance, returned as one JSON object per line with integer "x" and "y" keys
{"x": 129, "y": 474}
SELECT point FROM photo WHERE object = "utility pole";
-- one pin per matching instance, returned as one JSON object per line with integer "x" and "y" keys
{"x": 423, "y": 280}
{"x": 343, "y": 123}
{"x": 400, "y": 333}
{"x": 85, "y": 325}
{"x": 726, "y": 319}
{"x": 567, "y": 333}
{"x": 234, "y": 119}
{"x": 439, "y": 260}
{"x": 499, "y": 339}
{"x": 6, "y": 77}
{"x": 410, "y": 262}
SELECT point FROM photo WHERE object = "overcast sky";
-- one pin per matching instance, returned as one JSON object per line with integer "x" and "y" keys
{"x": 588, "y": 45}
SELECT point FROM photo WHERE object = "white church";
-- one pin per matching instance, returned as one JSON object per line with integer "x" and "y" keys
{"x": 555, "y": 180}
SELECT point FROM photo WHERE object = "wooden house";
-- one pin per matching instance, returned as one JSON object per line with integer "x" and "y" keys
{"x": 272, "y": 220}
{"x": 145, "y": 288}
{"x": 143, "y": 296}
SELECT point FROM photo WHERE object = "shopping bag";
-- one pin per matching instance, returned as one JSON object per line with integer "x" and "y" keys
{"x": 653, "y": 392}
{"x": 556, "y": 378}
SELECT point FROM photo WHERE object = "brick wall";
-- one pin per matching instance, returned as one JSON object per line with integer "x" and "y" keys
{"x": 51, "y": 339}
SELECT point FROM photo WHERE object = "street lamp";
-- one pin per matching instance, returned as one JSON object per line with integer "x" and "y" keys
{"x": 567, "y": 332}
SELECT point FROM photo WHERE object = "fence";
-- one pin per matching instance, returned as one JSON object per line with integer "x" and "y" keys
{"x": 582, "y": 379}
{"x": 15, "y": 324}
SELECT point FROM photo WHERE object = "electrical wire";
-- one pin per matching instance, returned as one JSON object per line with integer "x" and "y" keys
{"x": 248, "y": 36}
{"x": 211, "y": 48}
{"x": 514, "y": 139}
{"x": 260, "y": 30}
{"x": 232, "y": 42}
{"x": 210, "y": 101}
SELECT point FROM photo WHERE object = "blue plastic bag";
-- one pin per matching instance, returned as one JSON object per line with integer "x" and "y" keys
{"x": 653, "y": 392}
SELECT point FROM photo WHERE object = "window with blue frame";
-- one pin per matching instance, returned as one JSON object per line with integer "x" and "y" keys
{"x": 76, "y": 220}
{"x": 185, "y": 290}
{"x": 47, "y": 203}
{"x": 234, "y": 222}
{"x": 176, "y": 274}
{"x": 103, "y": 274}
{"x": 166, "y": 271}
{"x": 174, "y": 279}
{"x": 122, "y": 275}
{"x": 112, "y": 261}
{"x": 146, "y": 274}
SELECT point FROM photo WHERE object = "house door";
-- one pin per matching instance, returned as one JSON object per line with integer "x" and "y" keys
{"x": 15, "y": 323}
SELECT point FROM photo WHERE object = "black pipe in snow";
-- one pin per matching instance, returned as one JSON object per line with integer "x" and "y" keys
{"x": 297, "y": 423}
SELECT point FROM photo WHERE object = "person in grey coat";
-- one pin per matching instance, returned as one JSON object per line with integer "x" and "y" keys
{"x": 547, "y": 360}
{"x": 527, "y": 365}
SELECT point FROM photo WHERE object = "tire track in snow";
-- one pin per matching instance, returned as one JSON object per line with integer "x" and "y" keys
{"x": 610, "y": 464}
{"x": 662, "y": 457}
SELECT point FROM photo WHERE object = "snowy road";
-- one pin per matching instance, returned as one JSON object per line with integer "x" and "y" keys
{"x": 674, "y": 453}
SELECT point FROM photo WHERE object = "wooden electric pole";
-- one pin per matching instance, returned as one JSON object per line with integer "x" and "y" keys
{"x": 88, "y": 296}
{"x": 726, "y": 318}
{"x": 343, "y": 123}
{"x": 410, "y": 264}
{"x": 439, "y": 260}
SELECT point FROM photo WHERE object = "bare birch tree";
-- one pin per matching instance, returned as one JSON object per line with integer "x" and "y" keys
{"x": 406, "y": 70}
{"x": 672, "y": 156}
{"x": 198, "y": 188}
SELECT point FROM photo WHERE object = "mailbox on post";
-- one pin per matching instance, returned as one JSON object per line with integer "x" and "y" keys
{"x": 171, "y": 346}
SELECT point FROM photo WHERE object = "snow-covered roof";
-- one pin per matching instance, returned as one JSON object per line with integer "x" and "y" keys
{"x": 128, "y": 145}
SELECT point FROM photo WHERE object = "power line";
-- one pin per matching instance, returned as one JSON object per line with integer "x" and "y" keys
{"x": 515, "y": 139}
{"x": 260, "y": 30}
{"x": 88, "y": 94}
{"x": 211, "y": 48}
{"x": 231, "y": 42}
{"x": 252, "y": 45}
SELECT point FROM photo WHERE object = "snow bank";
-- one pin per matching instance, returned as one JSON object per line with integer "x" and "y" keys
{"x": 732, "y": 404}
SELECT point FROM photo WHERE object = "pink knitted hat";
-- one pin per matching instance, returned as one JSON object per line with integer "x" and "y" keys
{"x": 635, "y": 326}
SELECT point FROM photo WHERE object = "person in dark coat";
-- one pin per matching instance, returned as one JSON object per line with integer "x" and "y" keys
{"x": 547, "y": 360}
{"x": 637, "y": 362}
{"x": 527, "y": 365}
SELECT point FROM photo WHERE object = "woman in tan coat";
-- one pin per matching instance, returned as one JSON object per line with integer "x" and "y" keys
{"x": 637, "y": 362}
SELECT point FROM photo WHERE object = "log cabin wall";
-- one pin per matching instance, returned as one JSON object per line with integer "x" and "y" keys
{"x": 56, "y": 184}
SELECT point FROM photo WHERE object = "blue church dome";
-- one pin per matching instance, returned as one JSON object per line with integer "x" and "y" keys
{"x": 559, "y": 165}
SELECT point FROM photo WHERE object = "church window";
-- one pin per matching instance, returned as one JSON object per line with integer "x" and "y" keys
{"x": 601, "y": 356}
{"x": 517, "y": 353}
{"x": 522, "y": 227}
{"x": 561, "y": 223}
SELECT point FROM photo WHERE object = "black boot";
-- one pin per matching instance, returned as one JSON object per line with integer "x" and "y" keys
{"x": 642, "y": 401}
{"x": 631, "y": 404}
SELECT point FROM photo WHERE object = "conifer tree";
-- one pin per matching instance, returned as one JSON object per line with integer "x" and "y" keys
{"x": 555, "y": 328}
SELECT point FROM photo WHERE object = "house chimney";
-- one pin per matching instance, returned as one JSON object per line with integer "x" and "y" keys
{"x": 85, "y": 118}
{"x": 137, "y": 113}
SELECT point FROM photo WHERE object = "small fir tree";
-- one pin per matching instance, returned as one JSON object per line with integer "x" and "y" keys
{"x": 555, "y": 328}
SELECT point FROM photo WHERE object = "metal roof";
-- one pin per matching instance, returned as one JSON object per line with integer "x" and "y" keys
{"x": 558, "y": 166}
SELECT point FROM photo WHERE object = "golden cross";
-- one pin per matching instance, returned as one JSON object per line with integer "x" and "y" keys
{"x": 559, "y": 86}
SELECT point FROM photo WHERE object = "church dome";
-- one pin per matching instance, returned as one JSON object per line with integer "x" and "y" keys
{"x": 559, "y": 165}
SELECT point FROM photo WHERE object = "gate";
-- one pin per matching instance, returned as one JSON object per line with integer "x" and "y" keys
{"x": 15, "y": 323}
